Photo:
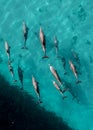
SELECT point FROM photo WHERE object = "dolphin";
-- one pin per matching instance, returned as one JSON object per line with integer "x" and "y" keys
{"x": 36, "y": 87}
{"x": 20, "y": 74}
{"x": 43, "y": 42}
{"x": 25, "y": 34}
{"x": 11, "y": 71}
{"x": 77, "y": 59}
{"x": 74, "y": 70}
{"x": 58, "y": 88}
{"x": 55, "y": 74}
{"x": 7, "y": 48}
{"x": 56, "y": 44}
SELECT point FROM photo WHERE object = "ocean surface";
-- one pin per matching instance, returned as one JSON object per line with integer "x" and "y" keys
{"x": 71, "y": 22}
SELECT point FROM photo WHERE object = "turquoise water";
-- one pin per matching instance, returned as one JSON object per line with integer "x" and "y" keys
{"x": 71, "y": 22}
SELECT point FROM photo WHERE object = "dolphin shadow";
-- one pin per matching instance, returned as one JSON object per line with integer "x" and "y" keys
{"x": 20, "y": 74}
{"x": 76, "y": 92}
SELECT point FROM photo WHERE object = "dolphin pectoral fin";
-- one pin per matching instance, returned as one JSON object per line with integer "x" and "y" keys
{"x": 45, "y": 56}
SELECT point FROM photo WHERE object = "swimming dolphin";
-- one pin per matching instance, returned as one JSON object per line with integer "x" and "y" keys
{"x": 77, "y": 59}
{"x": 36, "y": 87}
{"x": 7, "y": 48}
{"x": 58, "y": 88}
{"x": 11, "y": 71}
{"x": 74, "y": 70}
{"x": 43, "y": 42}
{"x": 25, "y": 34}
{"x": 56, "y": 44}
{"x": 55, "y": 74}
{"x": 20, "y": 74}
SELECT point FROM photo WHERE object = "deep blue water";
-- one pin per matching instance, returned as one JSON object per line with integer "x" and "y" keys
{"x": 71, "y": 22}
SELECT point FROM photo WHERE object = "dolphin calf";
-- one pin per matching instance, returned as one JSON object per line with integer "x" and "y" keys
{"x": 56, "y": 44}
{"x": 11, "y": 71}
{"x": 25, "y": 34}
{"x": 7, "y": 48}
{"x": 55, "y": 74}
{"x": 43, "y": 42}
{"x": 56, "y": 85}
{"x": 20, "y": 74}
{"x": 58, "y": 88}
{"x": 74, "y": 70}
{"x": 36, "y": 87}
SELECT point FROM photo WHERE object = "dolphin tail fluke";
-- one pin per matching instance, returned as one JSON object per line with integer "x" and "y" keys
{"x": 64, "y": 97}
{"x": 45, "y": 56}
{"x": 14, "y": 80}
{"x": 24, "y": 47}
{"x": 65, "y": 73}
{"x": 39, "y": 101}
{"x": 78, "y": 82}
{"x": 61, "y": 92}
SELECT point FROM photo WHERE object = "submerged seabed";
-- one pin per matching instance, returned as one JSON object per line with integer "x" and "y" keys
{"x": 71, "y": 22}
{"x": 19, "y": 111}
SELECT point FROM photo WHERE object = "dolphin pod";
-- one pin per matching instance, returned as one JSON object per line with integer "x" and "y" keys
{"x": 52, "y": 69}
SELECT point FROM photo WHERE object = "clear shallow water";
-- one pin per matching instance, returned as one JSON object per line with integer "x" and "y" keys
{"x": 71, "y": 21}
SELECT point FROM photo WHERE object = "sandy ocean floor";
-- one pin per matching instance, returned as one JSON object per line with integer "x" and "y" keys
{"x": 71, "y": 22}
